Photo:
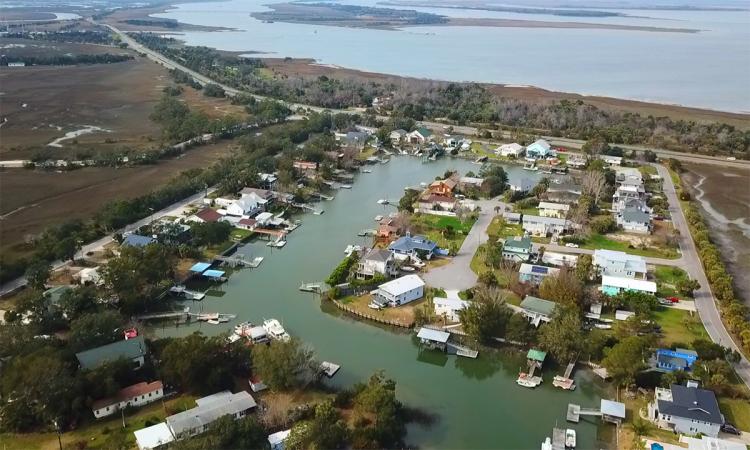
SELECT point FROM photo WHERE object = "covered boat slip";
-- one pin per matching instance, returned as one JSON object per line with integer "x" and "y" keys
{"x": 440, "y": 340}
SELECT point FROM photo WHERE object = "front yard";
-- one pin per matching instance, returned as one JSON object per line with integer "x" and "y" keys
{"x": 596, "y": 241}
{"x": 667, "y": 279}
{"x": 402, "y": 314}
{"x": 448, "y": 232}
{"x": 679, "y": 326}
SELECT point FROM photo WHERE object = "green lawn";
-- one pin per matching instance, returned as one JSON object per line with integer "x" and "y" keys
{"x": 599, "y": 241}
{"x": 736, "y": 411}
{"x": 436, "y": 228}
{"x": 667, "y": 279}
{"x": 679, "y": 326}
{"x": 238, "y": 234}
{"x": 647, "y": 171}
{"x": 528, "y": 211}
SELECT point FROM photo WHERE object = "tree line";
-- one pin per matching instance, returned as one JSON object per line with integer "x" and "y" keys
{"x": 65, "y": 60}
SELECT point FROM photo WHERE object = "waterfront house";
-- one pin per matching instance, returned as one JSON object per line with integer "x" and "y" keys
{"x": 559, "y": 259}
{"x": 540, "y": 149}
{"x": 666, "y": 360}
{"x": 136, "y": 240}
{"x": 449, "y": 307}
{"x": 134, "y": 350}
{"x": 262, "y": 196}
{"x": 416, "y": 245}
{"x": 376, "y": 261}
{"x": 565, "y": 192}
{"x": 465, "y": 183}
{"x": 577, "y": 161}
{"x": 153, "y": 437}
{"x": 624, "y": 193}
{"x": 531, "y": 273}
{"x": 268, "y": 180}
{"x": 443, "y": 187}
{"x": 686, "y": 409}
{"x": 436, "y": 204}
{"x": 614, "y": 285}
{"x": 205, "y": 215}
{"x": 611, "y": 160}
{"x": 356, "y": 139}
{"x": 435, "y": 339}
{"x": 537, "y": 310}
{"x": 246, "y": 224}
{"x": 523, "y": 185}
{"x": 542, "y": 226}
{"x": 306, "y": 167}
{"x": 517, "y": 249}
{"x": 549, "y": 209}
{"x": 397, "y": 136}
{"x": 513, "y": 150}
{"x": 453, "y": 142}
{"x": 419, "y": 136}
{"x": 245, "y": 206}
{"x": 387, "y": 229}
{"x": 138, "y": 394}
{"x": 399, "y": 291}
{"x": 276, "y": 440}
{"x": 197, "y": 420}
{"x": 634, "y": 221}
{"x": 619, "y": 264}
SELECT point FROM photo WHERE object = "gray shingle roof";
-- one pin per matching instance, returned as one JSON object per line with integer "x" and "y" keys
{"x": 636, "y": 216}
{"x": 692, "y": 403}
{"x": 210, "y": 409}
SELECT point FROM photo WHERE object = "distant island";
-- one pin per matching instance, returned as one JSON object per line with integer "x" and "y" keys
{"x": 480, "y": 6}
{"x": 355, "y": 16}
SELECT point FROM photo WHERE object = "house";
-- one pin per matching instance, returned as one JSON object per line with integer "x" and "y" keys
{"x": 559, "y": 259}
{"x": 268, "y": 180}
{"x": 205, "y": 215}
{"x": 667, "y": 360}
{"x": 138, "y": 394}
{"x": 262, "y": 196}
{"x": 465, "y": 183}
{"x": 452, "y": 142}
{"x": 153, "y": 437}
{"x": 387, "y": 229}
{"x": 276, "y": 440}
{"x": 245, "y": 206}
{"x": 433, "y": 338}
{"x": 542, "y": 226}
{"x": 614, "y": 285}
{"x": 419, "y": 136}
{"x": 549, "y": 209}
{"x": 376, "y": 261}
{"x": 626, "y": 192}
{"x": 622, "y": 315}
{"x": 531, "y": 273}
{"x": 537, "y": 310}
{"x": 399, "y": 291}
{"x": 540, "y": 149}
{"x": 417, "y": 245}
{"x": 197, "y": 420}
{"x": 54, "y": 294}
{"x": 577, "y": 161}
{"x": 634, "y": 221}
{"x": 566, "y": 192}
{"x": 687, "y": 409}
{"x": 449, "y": 307}
{"x": 512, "y": 217}
{"x": 136, "y": 240}
{"x": 134, "y": 350}
{"x": 711, "y": 443}
{"x": 246, "y": 224}
{"x": 429, "y": 203}
{"x": 397, "y": 136}
{"x": 355, "y": 139}
{"x": 619, "y": 264}
{"x": 17, "y": 64}
{"x": 305, "y": 166}
{"x": 513, "y": 150}
{"x": 90, "y": 275}
{"x": 443, "y": 187}
{"x": 522, "y": 185}
{"x": 517, "y": 249}
{"x": 611, "y": 160}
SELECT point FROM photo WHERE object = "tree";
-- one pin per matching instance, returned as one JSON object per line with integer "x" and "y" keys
{"x": 486, "y": 316}
{"x": 626, "y": 358}
{"x": 596, "y": 146}
{"x": 603, "y": 225}
{"x": 78, "y": 301}
{"x": 593, "y": 184}
{"x": 284, "y": 365}
{"x": 488, "y": 278}
{"x": 686, "y": 286}
{"x": 227, "y": 433}
{"x": 584, "y": 268}
{"x": 37, "y": 273}
{"x": 562, "y": 336}
{"x": 564, "y": 288}
{"x": 67, "y": 248}
{"x": 407, "y": 201}
{"x": 211, "y": 233}
{"x": 213, "y": 90}
{"x": 495, "y": 180}
{"x": 95, "y": 329}
{"x": 377, "y": 399}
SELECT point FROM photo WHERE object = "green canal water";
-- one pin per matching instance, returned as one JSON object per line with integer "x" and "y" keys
{"x": 477, "y": 402}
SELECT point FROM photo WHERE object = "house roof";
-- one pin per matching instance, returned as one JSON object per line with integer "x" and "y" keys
{"x": 538, "y": 305}
{"x": 451, "y": 303}
{"x": 210, "y": 409}
{"x": 432, "y": 198}
{"x": 471, "y": 180}
{"x": 127, "y": 393}
{"x": 247, "y": 204}
{"x": 278, "y": 437}
{"x": 635, "y": 215}
{"x": 517, "y": 243}
{"x": 606, "y": 258}
{"x": 433, "y": 335}
{"x": 137, "y": 240}
{"x": 450, "y": 182}
{"x": 536, "y": 355}
{"x": 629, "y": 283}
{"x": 514, "y": 147}
{"x": 692, "y": 403}
{"x": 532, "y": 269}
{"x": 262, "y": 193}
{"x": 544, "y": 220}
{"x": 424, "y": 131}
{"x": 539, "y": 146}
{"x": 555, "y": 206}
{"x": 399, "y": 132}
{"x": 409, "y": 243}
{"x": 153, "y": 436}
{"x": 200, "y": 267}
{"x": 208, "y": 215}
{"x": 401, "y": 285}
{"x": 248, "y": 222}
{"x": 378, "y": 254}
{"x": 128, "y": 349}
{"x": 614, "y": 409}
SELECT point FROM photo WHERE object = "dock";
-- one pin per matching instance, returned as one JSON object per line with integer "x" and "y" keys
{"x": 329, "y": 368}
{"x": 565, "y": 381}
{"x": 460, "y": 350}
{"x": 558, "y": 439}
{"x": 610, "y": 411}
{"x": 323, "y": 196}
{"x": 187, "y": 293}
{"x": 311, "y": 287}
{"x": 176, "y": 314}
{"x": 239, "y": 260}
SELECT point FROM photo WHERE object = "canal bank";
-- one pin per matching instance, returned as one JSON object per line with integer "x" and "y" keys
{"x": 477, "y": 402}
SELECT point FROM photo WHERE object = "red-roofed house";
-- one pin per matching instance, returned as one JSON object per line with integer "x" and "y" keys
{"x": 205, "y": 215}
{"x": 136, "y": 395}
{"x": 443, "y": 187}
{"x": 246, "y": 224}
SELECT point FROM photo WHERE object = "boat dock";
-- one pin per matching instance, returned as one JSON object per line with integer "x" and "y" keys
{"x": 316, "y": 287}
{"x": 565, "y": 381}
{"x": 558, "y": 439}
{"x": 307, "y": 207}
{"x": 610, "y": 411}
{"x": 329, "y": 368}
{"x": 460, "y": 350}
{"x": 323, "y": 196}
{"x": 239, "y": 260}
{"x": 187, "y": 293}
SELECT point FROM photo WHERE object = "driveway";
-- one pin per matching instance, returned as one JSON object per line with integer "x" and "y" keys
{"x": 457, "y": 274}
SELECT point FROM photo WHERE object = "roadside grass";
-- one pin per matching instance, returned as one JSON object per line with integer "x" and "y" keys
{"x": 498, "y": 228}
{"x": 365, "y": 153}
{"x": 214, "y": 250}
{"x": 104, "y": 433}
{"x": 647, "y": 170}
{"x": 599, "y": 241}
{"x": 736, "y": 411}
{"x": 667, "y": 279}
{"x": 679, "y": 326}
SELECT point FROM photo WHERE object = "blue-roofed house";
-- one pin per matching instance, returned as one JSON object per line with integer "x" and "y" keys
{"x": 531, "y": 273}
{"x": 671, "y": 360}
{"x": 417, "y": 245}
{"x": 540, "y": 149}
{"x": 136, "y": 240}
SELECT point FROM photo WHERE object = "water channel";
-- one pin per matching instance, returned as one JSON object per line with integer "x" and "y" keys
{"x": 478, "y": 402}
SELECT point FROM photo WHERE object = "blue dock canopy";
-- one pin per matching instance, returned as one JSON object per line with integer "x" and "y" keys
{"x": 213, "y": 273}
{"x": 200, "y": 267}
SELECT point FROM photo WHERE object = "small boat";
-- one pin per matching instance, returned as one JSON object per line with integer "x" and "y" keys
{"x": 243, "y": 329}
{"x": 378, "y": 218}
{"x": 213, "y": 321}
{"x": 423, "y": 184}
{"x": 528, "y": 381}
{"x": 547, "y": 444}
{"x": 346, "y": 186}
{"x": 366, "y": 171}
{"x": 275, "y": 330}
{"x": 530, "y": 166}
{"x": 570, "y": 438}
{"x": 408, "y": 269}
{"x": 383, "y": 201}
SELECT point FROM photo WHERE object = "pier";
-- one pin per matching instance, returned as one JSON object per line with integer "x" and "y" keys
{"x": 316, "y": 287}
{"x": 565, "y": 381}
{"x": 610, "y": 411}
{"x": 460, "y": 350}
{"x": 187, "y": 293}
{"x": 239, "y": 260}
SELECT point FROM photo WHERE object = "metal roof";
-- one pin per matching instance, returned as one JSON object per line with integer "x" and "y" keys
{"x": 629, "y": 284}
{"x": 136, "y": 240}
{"x": 200, "y": 267}
{"x": 128, "y": 349}
{"x": 401, "y": 285}
{"x": 433, "y": 335}
{"x": 210, "y": 409}
{"x": 153, "y": 436}
{"x": 523, "y": 243}
{"x": 214, "y": 273}
{"x": 536, "y": 355}
{"x": 615, "y": 409}
{"x": 452, "y": 303}
{"x": 538, "y": 305}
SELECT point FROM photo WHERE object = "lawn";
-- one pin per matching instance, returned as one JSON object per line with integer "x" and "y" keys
{"x": 679, "y": 326}
{"x": 478, "y": 266}
{"x": 446, "y": 231}
{"x": 599, "y": 241}
{"x": 107, "y": 433}
{"x": 647, "y": 171}
{"x": 498, "y": 228}
{"x": 736, "y": 411}
{"x": 667, "y": 279}
{"x": 240, "y": 235}
{"x": 402, "y": 314}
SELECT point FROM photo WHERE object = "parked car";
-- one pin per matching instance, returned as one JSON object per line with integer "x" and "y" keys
{"x": 731, "y": 158}
{"x": 731, "y": 429}
{"x": 571, "y": 245}
{"x": 673, "y": 299}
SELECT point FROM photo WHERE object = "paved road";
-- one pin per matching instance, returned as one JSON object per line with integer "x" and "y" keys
{"x": 704, "y": 299}
{"x": 457, "y": 274}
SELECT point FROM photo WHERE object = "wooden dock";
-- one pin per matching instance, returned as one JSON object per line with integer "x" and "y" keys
{"x": 558, "y": 439}
{"x": 575, "y": 412}
{"x": 460, "y": 350}
{"x": 565, "y": 381}
{"x": 329, "y": 368}
{"x": 316, "y": 287}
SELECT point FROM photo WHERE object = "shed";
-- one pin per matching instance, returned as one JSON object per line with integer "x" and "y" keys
{"x": 153, "y": 437}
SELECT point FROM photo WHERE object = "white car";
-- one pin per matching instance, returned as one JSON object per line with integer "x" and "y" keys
{"x": 571, "y": 245}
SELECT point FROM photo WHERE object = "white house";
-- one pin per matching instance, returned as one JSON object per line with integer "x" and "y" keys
{"x": 619, "y": 264}
{"x": 276, "y": 440}
{"x": 397, "y": 136}
{"x": 550, "y": 209}
{"x": 450, "y": 307}
{"x": 611, "y": 160}
{"x": 197, "y": 420}
{"x": 687, "y": 409}
{"x": 400, "y": 291}
{"x": 136, "y": 395}
{"x": 513, "y": 150}
{"x": 559, "y": 259}
{"x": 534, "y": 274}
{"x": 522, "y": 185}
{"x": 419, "y": 136}
{"x": 614, "y": 285}
{"x": 634, "y": 220}
{"x": 542, "y": 226}
{"x": 90, "y": 275}
{"x": 153, "y": 437}
{"x": 376, "y": 261}
{"x": 245, "y": 206}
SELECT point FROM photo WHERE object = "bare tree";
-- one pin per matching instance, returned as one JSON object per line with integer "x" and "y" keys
{"x": 593, "y": 184}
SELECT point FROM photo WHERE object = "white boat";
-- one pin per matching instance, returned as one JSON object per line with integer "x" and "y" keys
{"x": 547, "y": 444}
{"x": 408, "y": 269}
{"x": 243, "y": 329}
{"x": 213, "y": 321}
{"x": 366, "y": 171}
{"x": 531, "y": 166}
{"x": 275, "y": 330}
{"x": 378, "y": 218}
{"x": 346, "y": 186}
{"x": 383, "y": 201}
{"x": 570, "y": 438}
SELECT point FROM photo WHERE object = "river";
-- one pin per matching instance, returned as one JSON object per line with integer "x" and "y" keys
{"x": 478, "y": 402}
{"x": 706, "y": 69}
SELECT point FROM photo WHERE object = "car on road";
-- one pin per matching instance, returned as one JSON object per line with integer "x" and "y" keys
{"x": 673, "y": 299}
{"x": 731, "y": 158}
{"x": 731, "y": 429}
{"x": 571, "y": 245}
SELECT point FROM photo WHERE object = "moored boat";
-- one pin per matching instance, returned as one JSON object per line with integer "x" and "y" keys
{"x": 570, "y": 438}
{"x": 275, "y": 330}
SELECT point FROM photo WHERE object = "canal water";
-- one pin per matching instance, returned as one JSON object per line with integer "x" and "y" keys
{"x": 477, "y": 402}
